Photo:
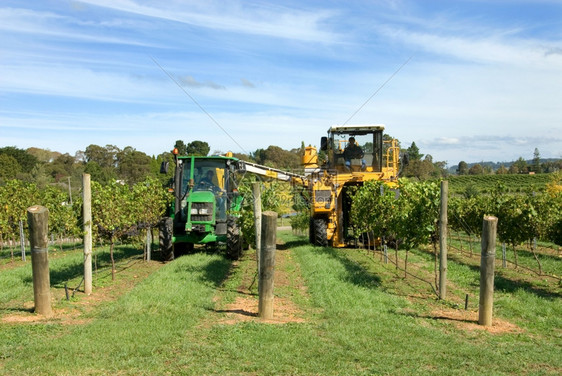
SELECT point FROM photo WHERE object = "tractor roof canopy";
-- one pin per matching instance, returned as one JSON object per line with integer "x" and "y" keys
{"x": 356, "y": 129}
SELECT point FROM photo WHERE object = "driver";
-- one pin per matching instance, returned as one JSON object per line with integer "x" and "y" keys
{"x": 208, "y": 178}
{"x": 353, "y": 151}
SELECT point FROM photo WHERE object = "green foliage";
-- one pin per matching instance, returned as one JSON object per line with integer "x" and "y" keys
{"x": 63, "y": 217}
{"x": 151, "y": 201}
{"x": 272, "y": 198}
{"x": 374, "y": 209}
{"x": 471, "y": 191}
{"x": 477, "y": 169}
{"x": 103, "y": 156}
{"x": 301, "y": 205}
{"x": 182, "y": 148}
{"x": 414, "y": 152}
{"x": 418, "y": 212}
{"x": 198, "y": 148}
{"x": 521, "y": 217}
{"x": 411, "y": 217}
{"x": 487, "y": 183}
{"x": 100, "y": 174}
{"x": 9, "y": 167}
{"x": 23, "y": 158}
{"x": 462, "y": 168}
{"x": 133, "y": 166}
{"x": 118, "y": 211}
{"x": 15, "y": 197}
{"x": 277, "y": 157}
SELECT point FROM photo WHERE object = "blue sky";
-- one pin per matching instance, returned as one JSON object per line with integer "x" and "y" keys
{"x": 484, "y": 81}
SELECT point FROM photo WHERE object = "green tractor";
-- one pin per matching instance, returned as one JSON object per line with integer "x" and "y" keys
{"x": 206, "y": 206}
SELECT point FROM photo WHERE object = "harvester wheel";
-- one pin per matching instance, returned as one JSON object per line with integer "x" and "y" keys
{"x": 320, "y": 233}
{"x": 233, "y": 239}
{"x": 166, "y": 230}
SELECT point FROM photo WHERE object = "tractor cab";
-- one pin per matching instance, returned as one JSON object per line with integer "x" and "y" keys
{"x": 206, "y": 202}
{"x": 352, "y": 148}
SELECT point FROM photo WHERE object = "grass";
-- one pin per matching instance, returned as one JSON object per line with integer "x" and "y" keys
{"x": 359, "y": 317}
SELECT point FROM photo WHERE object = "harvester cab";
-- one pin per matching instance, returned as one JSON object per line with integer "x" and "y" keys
{"x": 355, "y": 148}
{"x": 355, "y": 154}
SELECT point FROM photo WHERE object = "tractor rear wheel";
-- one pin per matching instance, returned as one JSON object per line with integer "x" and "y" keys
{"x": 320, "y": 232}
{"x": 233, "y": 239}
{"x": 166, "y": 231}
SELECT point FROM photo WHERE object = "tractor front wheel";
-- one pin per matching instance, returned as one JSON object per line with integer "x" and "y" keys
{"x": 233, "y": 239}
{"x": 166, "y": 230}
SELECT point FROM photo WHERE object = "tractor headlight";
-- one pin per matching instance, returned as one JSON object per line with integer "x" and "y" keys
{"x": 203, "y": 211}
{"x": 194, "y": 211}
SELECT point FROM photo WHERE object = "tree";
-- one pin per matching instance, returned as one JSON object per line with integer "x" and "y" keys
{"x": 414, "y": 152}
{"x": 62, "y": 166}
{"x": 477, "y": 169}
{"x": 198, "y": 148}
{"x": 502, "y": 170}
{"x": 520, "y": 166}
{"x": 440, "y": 169}
{"x": 102, "y": 175}
{"x": 462, "y": 168}
{"x": 422, "y": 170}
{"x": 132, "y": 165}
{"x": 275, "y": 156}
{"x": 103, "y": 156}
{"x": 182, "y": 148}
{"x": 43, "y": 155}
{"x": 536, "y": 166}
{"x": 9, "y": 167}
{"x": 25, "y": 160}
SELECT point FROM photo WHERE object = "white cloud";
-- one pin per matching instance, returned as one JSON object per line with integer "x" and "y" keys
{"x": 271, "y": 74}
{"x": 49, "y": 24}
{"x": 240, "y": 17}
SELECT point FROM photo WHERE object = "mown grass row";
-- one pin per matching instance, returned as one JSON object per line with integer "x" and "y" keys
{"x": 361, "y": 318}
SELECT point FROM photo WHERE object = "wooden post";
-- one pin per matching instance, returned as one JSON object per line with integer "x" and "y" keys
{"x": 487, "y": 259}
{"x": 22, "y": 242}
{"x": 69, "y": 191}
{"x": 267, "y": 264}
{"x": 443, "y": 240}
{"x": 148, "y": 243}
{"x": 504, "y": 259}
{"x": 38, "y": 219}
{"x": 87, "y": 192}
{"x": 257, "y": 220}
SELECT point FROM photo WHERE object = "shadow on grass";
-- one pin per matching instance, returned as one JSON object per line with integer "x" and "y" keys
{"x": 121, "y": 254}
{"x": 439, "y": 317}
{"x": 19, "y": 309}
{"x": 507, "y": 285}
{"x": 356, "y": 274}
{"x": 215, "y": 272}
{"x": 292, "y": 244}
{"x": 236, "y": 311}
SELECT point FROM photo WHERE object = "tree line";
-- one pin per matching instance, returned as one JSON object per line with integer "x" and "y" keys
{"x": 520, "y": 166}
